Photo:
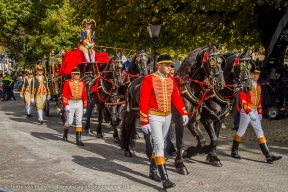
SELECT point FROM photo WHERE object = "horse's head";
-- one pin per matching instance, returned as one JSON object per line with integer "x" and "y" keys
{"x": 116, "y": 67}
{"x": 87, "y": 78}
{"x": 243, "y": 73}
{"x": 212, "y": 64}
{"x": 142, "y": 60}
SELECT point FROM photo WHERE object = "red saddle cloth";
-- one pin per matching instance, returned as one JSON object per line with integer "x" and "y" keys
{"x": 72, "y": 58}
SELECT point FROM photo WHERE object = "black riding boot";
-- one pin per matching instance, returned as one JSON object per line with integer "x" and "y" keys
{"x": 78, "y": 139}
{"x": 234, "y": 151}
{"x": 65, "y": 135}
{"x": 269, "y": 156}
{"x": 153, "y": 171}
{"x": 164, "y": 177}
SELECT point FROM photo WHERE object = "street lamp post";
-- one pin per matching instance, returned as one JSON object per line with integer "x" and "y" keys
{"x": 154, "y": 31}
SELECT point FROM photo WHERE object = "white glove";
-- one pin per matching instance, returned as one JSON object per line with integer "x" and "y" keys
{"x": 146, "y": 128}
{"x": 90, "y": 45}
{"x": 252, "y": 116}
{"x": 67, "y": 108}
{"x": 185, "y": 119}
{"x": 260, "y": 117}
{"x": 48, "y": 97}
{"x": 84, "y": 111}
{"x": 21, "y": 96}
{"x": 32, "y": 100}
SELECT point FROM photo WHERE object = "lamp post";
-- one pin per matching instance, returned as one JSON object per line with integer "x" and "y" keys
{"x": 154, "y": 31}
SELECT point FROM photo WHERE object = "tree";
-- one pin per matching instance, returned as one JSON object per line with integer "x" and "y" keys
{"x": 186, "y": 24}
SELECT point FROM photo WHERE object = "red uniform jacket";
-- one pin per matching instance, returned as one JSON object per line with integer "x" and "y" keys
{"x": 156, "y": 97}
{"x": 74, "y": 91}
{"x": 252, "y": 99}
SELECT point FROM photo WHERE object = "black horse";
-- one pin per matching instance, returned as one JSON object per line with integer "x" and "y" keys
{"x": 104, "y": 93}
{"x": 138, "y": 67}
{"x": 218, "y": 106}
{"x": 205, "y": 67}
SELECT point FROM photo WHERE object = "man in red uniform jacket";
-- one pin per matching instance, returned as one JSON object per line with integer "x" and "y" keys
{"x": 251, "y": 112}
{"x": 75, "y": 103}
{"x": 158, "y": 92}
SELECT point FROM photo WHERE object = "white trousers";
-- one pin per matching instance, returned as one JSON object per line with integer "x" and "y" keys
{"x": 76, "y": 108}
{"x": 159, "y": 128}
{"x": 245, "y": 120}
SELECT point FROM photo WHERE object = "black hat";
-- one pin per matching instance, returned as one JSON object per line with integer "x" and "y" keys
{"x": 76, "y": 71}
{"x": 255, "y": 69}
{"x": 88, "y": 21}
{"x": 164, "y": 58}
{"x": 39, "y": 67}
{"x": 172, "y": 67}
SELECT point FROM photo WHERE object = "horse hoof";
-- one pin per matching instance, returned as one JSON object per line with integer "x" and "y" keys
{"x": 116, "y": 139}
{"x": 217, "y": 164}
{"x": 182, "y": 171}
{"x": 127, "y": 154}
{"x": 99, "y": 135}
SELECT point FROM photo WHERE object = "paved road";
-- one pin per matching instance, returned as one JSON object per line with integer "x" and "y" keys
{"x": 34, "y": 158}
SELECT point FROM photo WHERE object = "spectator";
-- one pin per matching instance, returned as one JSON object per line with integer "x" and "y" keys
{"x": 13, "y": 78}
{"x": 279, "y": 87}
{"x": 7, "y": 81}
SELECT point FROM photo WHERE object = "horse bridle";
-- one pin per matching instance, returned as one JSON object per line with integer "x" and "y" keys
{"x": 140, "y": 57}
{"x": 243, "y": 66}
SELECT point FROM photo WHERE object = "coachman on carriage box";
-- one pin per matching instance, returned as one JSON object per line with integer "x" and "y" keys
{"x": 88, "y": 40}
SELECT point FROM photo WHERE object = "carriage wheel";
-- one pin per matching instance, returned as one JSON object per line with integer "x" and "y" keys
{"x": 46, "y": 108}
{"x": 273, "y": 112}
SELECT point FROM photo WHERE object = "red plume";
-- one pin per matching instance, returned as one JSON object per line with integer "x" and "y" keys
{"x": 237, "y": 59}
{"x": 137, "y": 55}
{"x": 205, "y": 57}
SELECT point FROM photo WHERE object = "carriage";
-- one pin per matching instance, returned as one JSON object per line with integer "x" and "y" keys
{"x": 72, "y": 59}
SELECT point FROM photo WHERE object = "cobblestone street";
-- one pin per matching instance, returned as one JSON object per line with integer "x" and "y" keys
{"x": 34, "y": 158}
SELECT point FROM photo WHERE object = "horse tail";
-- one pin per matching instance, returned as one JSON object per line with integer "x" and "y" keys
{"x": 128, "y": 130}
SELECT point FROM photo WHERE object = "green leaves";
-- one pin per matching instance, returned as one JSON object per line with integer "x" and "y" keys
{"x": 34, "y": 28}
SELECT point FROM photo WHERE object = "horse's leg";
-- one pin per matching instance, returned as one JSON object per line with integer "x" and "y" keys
{"x": 148, "y": 144}
{"x": 128, "y": 132}
{"x": 179, "y": 130}
{"x": 211, "y": 157}
{"x": 101, "y": 107}
{"x": 196, "y": 132}
{"x": 88, "y": 116}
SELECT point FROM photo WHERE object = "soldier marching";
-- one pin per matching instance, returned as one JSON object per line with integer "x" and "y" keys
{"x": 40, "y": 92}
{"x": 25, "y": 92}
{"x": 75, "y": 103}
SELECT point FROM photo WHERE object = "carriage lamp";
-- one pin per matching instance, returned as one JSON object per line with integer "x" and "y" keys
{"x": 154, "y": 31}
